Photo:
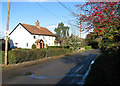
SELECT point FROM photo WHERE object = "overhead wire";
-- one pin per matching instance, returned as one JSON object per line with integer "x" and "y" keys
{"x": 65, "y": 6}
{"x": 54, "y": 14}
{"x": 48, "y": 11}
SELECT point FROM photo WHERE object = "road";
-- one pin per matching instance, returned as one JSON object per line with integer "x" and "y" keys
{"x": 65, "y": 70}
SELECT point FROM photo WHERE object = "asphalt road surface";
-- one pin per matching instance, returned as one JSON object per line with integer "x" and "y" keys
{"x": 66, "y": 70}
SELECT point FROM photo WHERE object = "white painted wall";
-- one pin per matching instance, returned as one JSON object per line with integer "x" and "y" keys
{"x": 21, "y": 36}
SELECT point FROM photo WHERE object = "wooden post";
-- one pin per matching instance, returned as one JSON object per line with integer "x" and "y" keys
{"x": 6, "y": 41}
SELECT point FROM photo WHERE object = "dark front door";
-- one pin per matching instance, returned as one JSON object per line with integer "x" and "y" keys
{"x": 41, "y": 45}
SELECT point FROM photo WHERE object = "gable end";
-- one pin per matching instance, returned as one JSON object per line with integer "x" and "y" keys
{"x": 17, "y": 26}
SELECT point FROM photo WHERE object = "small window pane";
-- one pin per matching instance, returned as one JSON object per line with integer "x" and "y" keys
{"x": 26, "y": 44}
{"x": 34, "y": 37}
{"x": 16, "y": 43}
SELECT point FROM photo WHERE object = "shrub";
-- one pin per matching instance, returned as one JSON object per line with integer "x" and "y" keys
{"x": 19, "y": 56}
{"x": 2, "y": 55}
{"x": 46, "y": 45}
{"x": 65, "y": 47}
{"x": 74, "y": 42}
{"x": 33, "y": 46}
{"x": 88, "y": 47}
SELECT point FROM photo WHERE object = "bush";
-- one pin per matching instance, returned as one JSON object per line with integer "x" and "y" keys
{"x": 46, "y": 45}
{"x": 88, "y": 47}
{"x": 2, "y": 57}
{"x": 19, "y": 56}
{"x": 33, "y": 46}
{"x": 65, "y": 47}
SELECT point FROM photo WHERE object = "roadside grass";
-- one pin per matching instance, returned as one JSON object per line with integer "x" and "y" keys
{"x": 84, "y": 50}
{"x": 105, "y": 70}
{"x": 6, "y": 67}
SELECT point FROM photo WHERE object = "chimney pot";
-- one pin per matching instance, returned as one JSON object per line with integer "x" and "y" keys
{"x": 37, "y": 23}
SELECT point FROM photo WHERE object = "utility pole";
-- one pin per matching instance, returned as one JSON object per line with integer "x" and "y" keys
{"x": 77, "y": 29}
{"x": 7, "y": 27}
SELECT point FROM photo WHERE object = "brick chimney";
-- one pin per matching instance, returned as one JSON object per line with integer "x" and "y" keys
{"x": 37, "y": 23}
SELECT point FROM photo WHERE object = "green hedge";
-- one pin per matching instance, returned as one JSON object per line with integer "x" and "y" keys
{"x": 88, "y": 47}
{"x": 2, "y": 55}
{"x": 58, "y": 47}
{"x": 19, "y": 56}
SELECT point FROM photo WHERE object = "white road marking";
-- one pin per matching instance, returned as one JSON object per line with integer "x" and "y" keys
{"x": 74, "y": 75}
{"x": 82, "y": 82}
{"x": 79, "y": 68}
{"x": 92, "y": 62}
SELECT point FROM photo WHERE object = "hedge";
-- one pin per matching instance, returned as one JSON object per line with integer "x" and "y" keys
{"x": 88, "y": 47}
{"x": 2, "y": 57}
{"x": 19, "y": 56}
{"x": 58, "y": 47}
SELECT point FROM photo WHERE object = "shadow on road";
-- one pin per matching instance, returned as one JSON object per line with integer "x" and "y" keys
{"x": 76, "y": 73}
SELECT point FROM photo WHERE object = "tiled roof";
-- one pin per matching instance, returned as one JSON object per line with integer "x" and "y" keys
{"x": 37, "y": 30}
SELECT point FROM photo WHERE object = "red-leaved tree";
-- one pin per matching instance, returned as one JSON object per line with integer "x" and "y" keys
{"x": 102, "y": 17}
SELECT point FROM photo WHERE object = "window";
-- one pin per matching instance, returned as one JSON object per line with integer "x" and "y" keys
{"x": 16, "y": 44}
{"x": 34, "y": 37}
{"x": 26, "y": 44}
{"x": 43, "y": 37}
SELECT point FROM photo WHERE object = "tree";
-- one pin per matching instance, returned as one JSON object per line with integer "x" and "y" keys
{"x": 102, "y": 17}
{"x": 75, "y": 42}
{"x": 93, "y": 40}
{"x": 62, "y": 32}
{"x": 58, "y": 33}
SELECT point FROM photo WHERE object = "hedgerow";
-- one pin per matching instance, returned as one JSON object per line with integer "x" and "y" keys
{"x": 19, "y": 56}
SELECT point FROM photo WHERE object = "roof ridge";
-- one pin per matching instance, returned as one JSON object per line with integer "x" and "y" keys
{"x": 35, "y": 26}
{"x": 28, "y": 24}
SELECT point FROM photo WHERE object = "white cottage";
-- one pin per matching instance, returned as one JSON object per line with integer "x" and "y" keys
{"x": 24, "y": 36}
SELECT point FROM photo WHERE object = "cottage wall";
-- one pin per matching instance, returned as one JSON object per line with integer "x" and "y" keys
{"x": 21, "y": 38}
